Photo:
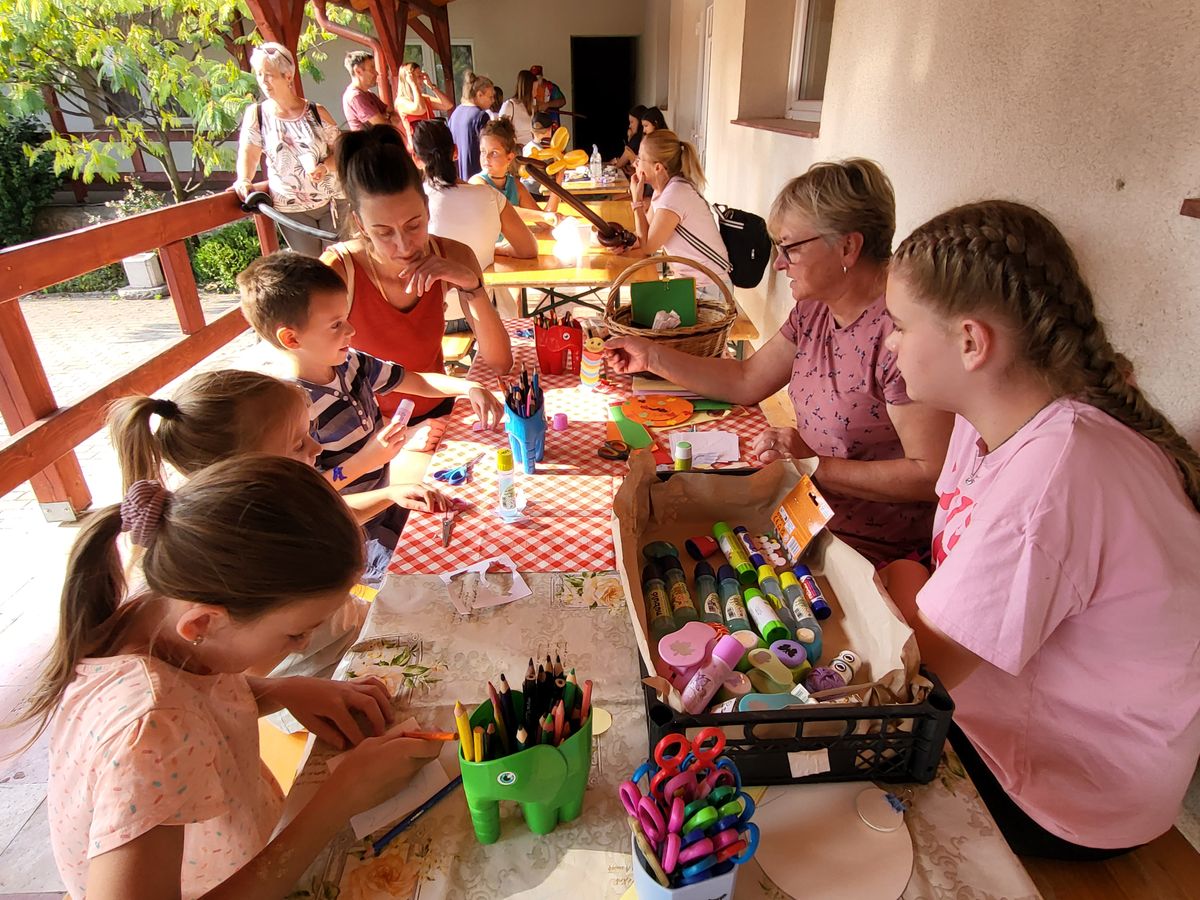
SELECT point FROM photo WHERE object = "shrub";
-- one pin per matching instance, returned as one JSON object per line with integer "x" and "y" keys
{"x": 220, "y": 255}
{"x": 108, "y": 278}
{"x": 24, "y": 185}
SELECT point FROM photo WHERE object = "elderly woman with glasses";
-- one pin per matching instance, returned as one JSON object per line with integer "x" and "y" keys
{"x": 296, "y": 136}
{"x": 879, "y": 454}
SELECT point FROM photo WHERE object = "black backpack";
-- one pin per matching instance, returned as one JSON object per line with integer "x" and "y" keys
{"x": 747, "y": 242}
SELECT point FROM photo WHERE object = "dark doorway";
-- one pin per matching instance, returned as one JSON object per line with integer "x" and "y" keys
{"x": 603, "y": 74}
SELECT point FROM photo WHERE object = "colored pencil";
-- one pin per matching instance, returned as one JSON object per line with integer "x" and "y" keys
{"x": 479, "y": 743}
{"x": 411, "y": 819}
{"x": 498, "y": 716}
{"x": 570, "y": 692}
{"x": 430, "y": 735}
{"x": 489, "y": 742}
{"x": 510, "y": 708}
{"x": 464, "y": 732}
{"x": 586, "y": 708}
{"x": 522, "y": 738}
{"x": 559, "y": 724}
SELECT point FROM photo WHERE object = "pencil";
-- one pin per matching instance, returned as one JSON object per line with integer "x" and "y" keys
{"x": 489, "y": 742}
{"x": 587, "y": 701}
{"x": 559, "y": 724}
{"x": 547, "y": 730}
{"x": 478, "y": 743}
{"x": 430, "y": 735}
{"x": 498, "y": 716}
{"x": 464, "y": 731}
{"x": 570, "y": 692}
{"x": 522, "y": 738}
{"x": 411, "y": 819}
{"x": 510, "y": 708}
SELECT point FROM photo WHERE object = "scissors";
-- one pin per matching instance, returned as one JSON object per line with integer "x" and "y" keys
{"x": 681, "y": 763}
{"x": 613, "y": 450}
{"x": 458, "y": 474}
{"x": 448, "y": 518}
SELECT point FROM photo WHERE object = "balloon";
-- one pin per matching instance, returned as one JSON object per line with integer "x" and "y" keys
{"x": 560, "y": 139}
{"x": 572, "y": 160}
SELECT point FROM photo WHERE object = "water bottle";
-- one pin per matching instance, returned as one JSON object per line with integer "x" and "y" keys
{"x": 595, "y": 165}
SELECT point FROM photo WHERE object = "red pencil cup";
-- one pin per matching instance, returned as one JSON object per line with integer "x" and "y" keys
{"x": 559, "y": 348}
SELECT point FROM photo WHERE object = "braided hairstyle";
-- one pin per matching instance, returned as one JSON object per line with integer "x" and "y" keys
{"x": 1010, "y": 260}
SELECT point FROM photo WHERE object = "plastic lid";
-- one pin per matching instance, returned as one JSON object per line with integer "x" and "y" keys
{"x": 667, "y": 563}
{"x": 703, "y": 568}
{"x": 729, "y": 650}
{"x": 651, "y": 571}
{"x": 683, "y": 450}
{"x": 726, "y": 571}
{"x": 504, "y": 460}
{"x": 787, "y": 580}
{"x": 764, "y": 572}
{"x": 802, "y": 571}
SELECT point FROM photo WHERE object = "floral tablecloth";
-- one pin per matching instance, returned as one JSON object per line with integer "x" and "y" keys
{"x": 434, "y": 656}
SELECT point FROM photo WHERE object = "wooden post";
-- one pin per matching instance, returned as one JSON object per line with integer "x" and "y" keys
{"x": 25, "y": 397}
{"x": 268, "y": 237}
{"x": 59, "y": 122}
{"x": 441, "y": 30}
{"x": 181, "y": 282}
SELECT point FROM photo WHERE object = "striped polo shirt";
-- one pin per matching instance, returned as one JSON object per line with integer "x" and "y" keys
{"x": 344, "y": 414}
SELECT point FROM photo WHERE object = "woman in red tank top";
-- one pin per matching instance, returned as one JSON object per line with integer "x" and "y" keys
{"x": 397, "y": 274}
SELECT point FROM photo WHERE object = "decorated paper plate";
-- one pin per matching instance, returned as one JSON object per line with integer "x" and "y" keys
{"x": 657, "y": 410}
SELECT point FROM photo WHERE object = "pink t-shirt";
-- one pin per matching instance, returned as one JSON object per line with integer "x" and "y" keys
{"x": 138, "y": 743}
{"x": 843, "y": 380}
{"x": 1068, "y": 565}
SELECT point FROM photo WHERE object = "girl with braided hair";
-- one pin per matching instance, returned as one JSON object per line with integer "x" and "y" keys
{"x": 1061, "y": 611}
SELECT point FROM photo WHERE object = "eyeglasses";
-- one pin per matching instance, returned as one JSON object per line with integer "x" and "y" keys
{"x": 785, "y": 250}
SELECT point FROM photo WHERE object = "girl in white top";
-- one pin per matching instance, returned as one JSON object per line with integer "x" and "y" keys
{"x": 678, "y": 219}
{"x": 519, "y": 109}
{"x": 471, "y": 213}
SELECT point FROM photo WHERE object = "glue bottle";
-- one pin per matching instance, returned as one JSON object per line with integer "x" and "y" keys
{"x": 764, "y": 618}
{"x": 711, "y": 675}
{"x": 404, "y": 412}
{"x": 730, "y": 590}
{"x": 770, "y": 586}
{"x": 657, "y": 607}
{"x": 808, "y": 631}
{"x": 682, "y": 607}
{"x": 707, "y": 597}
{"x": 506, "y": 478}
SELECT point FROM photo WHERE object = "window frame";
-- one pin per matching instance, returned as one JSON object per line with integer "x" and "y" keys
{"x": 804, "y": 110}
{"x": 429, "y": 59}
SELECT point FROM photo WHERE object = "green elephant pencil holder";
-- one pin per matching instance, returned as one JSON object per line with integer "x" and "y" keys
{"x": 548, "y": 782}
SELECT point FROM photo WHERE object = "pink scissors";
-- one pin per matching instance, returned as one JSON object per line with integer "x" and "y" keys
{"x": 682, "y": 763}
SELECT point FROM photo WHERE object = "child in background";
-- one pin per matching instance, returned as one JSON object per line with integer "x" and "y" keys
{"x": 497, "y": 152}
{"x": 300, "y": 305}
{"x": 543, "y": 130}
{"x": 156, "y": 788}
{"x": 216, "y": 415}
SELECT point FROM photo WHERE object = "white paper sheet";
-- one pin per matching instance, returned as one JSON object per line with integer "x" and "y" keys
{"x": 428, "y": 781}
{"x": 708, "y": 447}
{"x": 489, "y": 588}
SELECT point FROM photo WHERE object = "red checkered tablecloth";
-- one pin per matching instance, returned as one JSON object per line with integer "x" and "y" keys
{"x": 568, "y": 500}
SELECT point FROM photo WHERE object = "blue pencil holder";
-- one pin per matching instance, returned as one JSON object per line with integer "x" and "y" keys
{"x": 527, "y": 438}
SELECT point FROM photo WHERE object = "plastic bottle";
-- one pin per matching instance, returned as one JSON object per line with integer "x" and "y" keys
{"x": 658, "y": 609}
{"x": 808, "y": 631}
{"x": 506, "y": 478}
{"x": 732, "y": 547}
{"x": 730, "y": 590}
{"x": 769, "y": 584}
{"x": 595, "y": 165}
{"x": 404, "y": 412}
{"x": 812, "y": 592}
{"x": 764, "y": 618}
{"x": 725, "y": 655}
{"x": 682, "y": 607}
{"x": 707, "y": 597}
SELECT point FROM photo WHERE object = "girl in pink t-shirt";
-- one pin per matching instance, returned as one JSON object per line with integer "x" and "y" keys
{"x": 156, "y": 788}
{"x": 1062, "y": 609}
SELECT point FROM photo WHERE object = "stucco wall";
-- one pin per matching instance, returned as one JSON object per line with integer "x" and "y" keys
{"x": 1088, "y": 110}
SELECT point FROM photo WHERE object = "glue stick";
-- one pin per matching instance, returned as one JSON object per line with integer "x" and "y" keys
{"x": 756, "y": 558}
{"x": 658, "y": 610}
{"x": 682, "y": 608}
{"x": 731, "y": 600}
{"x": 764, "y": 618}
{"x": 403, "y": 412}
{"x": 707, "y": 597}
{"x": 732, "y": 547}
{"x": 812, "y": 591}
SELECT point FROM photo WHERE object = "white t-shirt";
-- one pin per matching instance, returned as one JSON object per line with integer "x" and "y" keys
{"x": 681, "y": 197}
{"x": 469, "y": 213}
{"x": 522, "y": 119}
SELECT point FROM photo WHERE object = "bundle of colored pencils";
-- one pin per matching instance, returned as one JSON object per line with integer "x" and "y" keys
{"x": 556, "y": 705}
{"x": 524, "y": 394}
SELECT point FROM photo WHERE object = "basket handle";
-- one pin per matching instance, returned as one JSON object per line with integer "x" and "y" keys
{"x": 613, "y": 301}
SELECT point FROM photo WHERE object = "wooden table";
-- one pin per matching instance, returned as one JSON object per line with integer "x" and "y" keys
{"x": 615, "y": 189}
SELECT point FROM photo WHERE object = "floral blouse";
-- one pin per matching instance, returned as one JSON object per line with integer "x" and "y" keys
{"x": 293, "y": 147}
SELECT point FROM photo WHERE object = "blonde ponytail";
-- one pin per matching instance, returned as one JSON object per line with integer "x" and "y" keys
{"x": 676, "y": 156}
{"x": 1010, "y": 260}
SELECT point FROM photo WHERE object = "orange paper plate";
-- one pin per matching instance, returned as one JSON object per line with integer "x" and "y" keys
{"x": 657, "y": 410}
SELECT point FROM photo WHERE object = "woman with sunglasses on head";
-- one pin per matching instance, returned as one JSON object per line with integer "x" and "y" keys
{"x": 879, "y": 454}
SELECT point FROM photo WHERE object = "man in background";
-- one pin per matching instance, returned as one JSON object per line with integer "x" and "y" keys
{"x": 547, "y": 96}
{"x": 361, "y": 107}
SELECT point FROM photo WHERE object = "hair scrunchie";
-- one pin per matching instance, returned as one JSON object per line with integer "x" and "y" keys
{"x": 166, "y": 409}
{"x": 142, "y": 511}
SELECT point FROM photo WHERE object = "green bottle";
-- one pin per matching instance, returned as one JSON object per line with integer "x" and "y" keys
{"x": 707, "y": 597}
{"x": 764, "y": 618}
{"x": 730, "y": 590}
{"x": 682, "y": 607}
{"x": 658, "y": 610}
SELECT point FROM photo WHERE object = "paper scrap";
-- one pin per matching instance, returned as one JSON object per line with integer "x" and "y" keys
{"x": 709, "y": 447}
{"x": 487, "y": 583}
{"x": 429, "y": 779}
{"x": 808, "y": 762}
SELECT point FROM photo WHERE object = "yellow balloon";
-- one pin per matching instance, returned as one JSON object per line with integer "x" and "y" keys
{"x": 572, "y": 160}
{"x": 560, "y": 140}
{"x": 545, "y": 153}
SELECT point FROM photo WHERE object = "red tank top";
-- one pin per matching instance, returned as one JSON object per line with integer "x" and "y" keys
{"x": 410, "y": 337}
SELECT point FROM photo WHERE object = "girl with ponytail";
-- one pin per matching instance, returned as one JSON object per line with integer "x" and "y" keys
{"x": 468, "y": 119}
{"x": 1062, "y": 609}
{"x": 156, "y": 788}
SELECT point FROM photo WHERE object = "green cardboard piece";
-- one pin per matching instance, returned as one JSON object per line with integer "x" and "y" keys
{"x": 710, "y": 405}
{"x": 632, "y": 433}
{"x": 648, "y": 297}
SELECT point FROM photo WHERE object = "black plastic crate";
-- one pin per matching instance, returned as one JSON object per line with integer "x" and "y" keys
{"x": 885, "y": 753}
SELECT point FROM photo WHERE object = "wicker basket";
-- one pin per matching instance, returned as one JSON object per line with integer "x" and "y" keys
{"x": 714, "y": 318}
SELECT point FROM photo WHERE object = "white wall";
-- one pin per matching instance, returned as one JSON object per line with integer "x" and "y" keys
{"x": 1086, "y": 110}
{"x": 654, "y": 54}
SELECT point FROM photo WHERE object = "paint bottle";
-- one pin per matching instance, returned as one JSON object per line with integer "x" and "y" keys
{"x": 764, "y": 618}
{"x": 756, "y": 558}
{"x": 812, "y": 592}
{"x": 707, "y": 597}
{"x": 682, "y": 607}
{"x": 734, "y": 609}
{"x": 658, "y": 609}
{"x": 769, "y": 585}
{"x": 732, "y": 547}
{"x": 506, "y": 478}
{"x": 808, "y": 631}
{"x": 710, "y": 676}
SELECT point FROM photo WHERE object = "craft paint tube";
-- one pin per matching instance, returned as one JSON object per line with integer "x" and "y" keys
{"x": 769, "y": 585}
{"x": 725, "y": 655}
{"x": 812, "y": 592}
{"x": 808, "y": 631}
{"x": 707, "y": 597}
{"x": 730, "y": 591}
{"x": 756, "y": 558}
{"x": 764, "y": 618}
{"x": 658, "y": 610}
{"x": 732, "y": 547}
{"x": 682, "y": 607}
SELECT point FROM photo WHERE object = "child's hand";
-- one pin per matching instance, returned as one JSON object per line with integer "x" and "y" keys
{"x": 341, "y": 713}
{"x": 378, "y": 768}
{"x": 384, "y": 446}
{"x": 421, "y": 498}
{"x": 487, "y": 408}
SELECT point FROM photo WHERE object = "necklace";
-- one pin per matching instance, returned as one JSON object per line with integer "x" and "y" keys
{"x": 980, "y": 457}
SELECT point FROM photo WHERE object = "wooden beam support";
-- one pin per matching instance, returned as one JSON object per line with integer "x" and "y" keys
{"x": 181, "y": 282}
{"x": 268, "y": 237}
{"x": 441, "y": 31}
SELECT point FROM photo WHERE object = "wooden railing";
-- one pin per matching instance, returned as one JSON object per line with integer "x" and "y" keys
{"x": 45, "y": 435}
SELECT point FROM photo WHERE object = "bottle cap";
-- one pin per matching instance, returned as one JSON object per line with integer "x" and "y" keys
{"x": 504, "y": 460}
{"x": 765, "y": 572}
{"x": 703, "y": 569}
{"x": 683, "y": 450}
{"x": 700, "y": 547}
{"x": 729, "y": 650}
{"x": 787, "y": 580}
{"x": 651, "y": 571}
{"x": 726, "y": 571}
{"x": 667, "y": 563}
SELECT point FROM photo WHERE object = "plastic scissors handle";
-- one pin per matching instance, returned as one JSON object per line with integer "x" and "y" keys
{"x": 752, "y": 834}
{"x": 613, "y": 450}
{"x": 707, "y": 748}
{"x": 631, "y": 795}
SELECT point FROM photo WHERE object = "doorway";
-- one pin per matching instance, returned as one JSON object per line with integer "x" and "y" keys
{"x": 603, "y": 77}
